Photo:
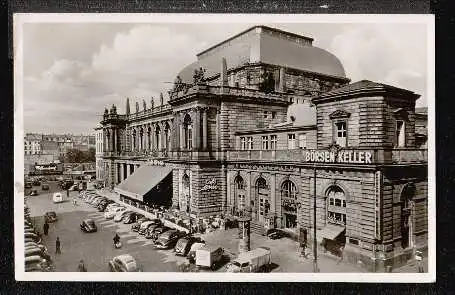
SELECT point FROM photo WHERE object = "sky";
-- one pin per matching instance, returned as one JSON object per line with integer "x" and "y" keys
{"x": 73, "y": 71}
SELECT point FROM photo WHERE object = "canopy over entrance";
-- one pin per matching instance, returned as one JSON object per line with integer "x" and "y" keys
{"x": 142, "y": 181}
{"x": 330, "y": 232}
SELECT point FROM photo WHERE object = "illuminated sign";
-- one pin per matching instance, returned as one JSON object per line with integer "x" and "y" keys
{"x": 341, "y": 156}
{"x": 209, "y": 185}
{"x": 157, "y": 162}
{"x": 45, "y": 168}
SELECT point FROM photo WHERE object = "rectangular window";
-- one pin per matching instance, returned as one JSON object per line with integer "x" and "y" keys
{"x": 242, "y": 143}
{"x": 340, "y": 133}
{"x": 266, "y": 114}
{"x": 273, "y": 115}
{"x": 291, "y": 141}
{"x": 265, "y": 142}
{"x": 302, "y": 141}
{"x": 400, "y": 134}
{"x": 331, "y": 201}
{"x": 273, "y": 142}
{"x": 190, "y": 140}
{"x": 250, "y": 143}
{"x": 338, "y": 202}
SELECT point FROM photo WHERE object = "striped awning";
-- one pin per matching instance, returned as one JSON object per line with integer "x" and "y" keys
{"x": 329, "y": 232}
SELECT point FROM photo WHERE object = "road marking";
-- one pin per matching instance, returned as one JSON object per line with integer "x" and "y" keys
{"x": 127, "y": 235}
{"x": 110, "y": 225}
{"x": 134, "y": 241}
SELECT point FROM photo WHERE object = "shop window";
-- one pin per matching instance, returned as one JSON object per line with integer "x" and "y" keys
{"x": 265, "y": 142}
{"x": 291, "y": 141}
{"x": 341, "y": 133}
{"x": 273, "y": 142}
{"x": 400, "y": 133}
{"x": 250, "y": 143}
{"x": 242, "y": 143}
{"x": 337, "y": 200}
{"x": 302, "y": 141}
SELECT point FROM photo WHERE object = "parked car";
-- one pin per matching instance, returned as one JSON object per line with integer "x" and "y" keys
{"x": 150, "y": 230}
{"x": 184, "y": 244}
{"x": 131, "y": 217}
{"x": 274, "y": 234}
{"x": 120, "y": 215}
{"x": 137, "y": 225}
{"x": 111, "y": 213}
{"x": 33, "y": 237}
{"x": 36, "y": 182}
{"x": 88, "y": 226}
{"x": 34, "y": 192}
{"x": 123, "y": 263}
{"x": 28, "y": 184}
{"x": 34, "y": 245}
{"x": 37, "y": 251}
{"x": 34, "y": 263}
{"x": 145, "y": 225}
{"x": 57, "y": 197}
{"x": 159, "y": 230}
{"x": 45, "y": 187}
{"x": 169, "y": 239}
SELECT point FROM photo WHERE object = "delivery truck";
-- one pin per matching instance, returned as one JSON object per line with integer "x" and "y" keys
{"x": 209, "y": 256}
{"x": 256, "y": 260}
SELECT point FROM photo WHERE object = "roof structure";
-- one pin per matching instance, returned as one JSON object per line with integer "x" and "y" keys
{"x": 364, "y": 87}
{"x": 262, "y": 44}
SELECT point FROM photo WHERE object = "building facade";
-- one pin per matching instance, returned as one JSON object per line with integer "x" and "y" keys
{"x": 266, "y": 123}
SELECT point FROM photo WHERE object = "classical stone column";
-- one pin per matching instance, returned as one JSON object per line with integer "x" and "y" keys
{"x": 171, "y": 134}
{"x": 204, "y": 129}
{"x": 273, "y": 193}
{"x": 163, "y": 135}
{"x": 122, "y": 176}
{"x": 228, "y": 190}
{"x": 182, "y": 135}
{"x": 128, "y": 169}
{"x": 197, "y": 130}
{"x": 281, "y": 83}
{"x": 111, "y": 144}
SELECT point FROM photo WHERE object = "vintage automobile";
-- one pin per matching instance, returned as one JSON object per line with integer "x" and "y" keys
{"x": 131, "y": 217}
{"x": 88, "y": 226}
{"x": 145, "y": 225}
{"x": 123, "y": 263}
{"x": 120, "y": 215}
{"x": 112, "y": 212}
{"x": 36, "y": 182}
{"x": 28, "y": 184}
{"x": 159, "y": 230}
{"x": 274, "y": 234}
{"x": 45, "y": 187}
{"x": 50, "y": 216}
{"x": 150, "y": 230}
{"x": 168, "y": 239}
{"x": 34, "y": 263}
{"x": 184, "y": 244}
{"x": 137, "y": 225}
{"x": 34, "y": 192}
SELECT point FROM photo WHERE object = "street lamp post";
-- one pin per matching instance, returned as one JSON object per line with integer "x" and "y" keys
{"x": 315, "y": 243}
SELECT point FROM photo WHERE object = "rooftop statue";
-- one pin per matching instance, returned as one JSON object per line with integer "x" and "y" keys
{"x": 137, "y": 107}
{"x": 144, "y": 104}
{"x": 161, "y": 98}
{"x": 198, "y": 75}
{"x": 106, "y": 112}
{"x": 152, "y": 102}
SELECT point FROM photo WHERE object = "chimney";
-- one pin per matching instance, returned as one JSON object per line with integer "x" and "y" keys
{"x": 223, "y": 73}
{"x": 128, "y": 106}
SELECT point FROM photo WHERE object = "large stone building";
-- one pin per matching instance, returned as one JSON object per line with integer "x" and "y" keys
{"x": 269, "y": 122}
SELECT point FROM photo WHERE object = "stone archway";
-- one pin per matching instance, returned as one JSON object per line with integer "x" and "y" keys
{"x": 185, "y": 195}
{"x": 407, "y": 215}
{"x": 262, "y": 200}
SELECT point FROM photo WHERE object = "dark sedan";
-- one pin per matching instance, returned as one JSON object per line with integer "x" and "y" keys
{"x": 88, "y": 226}
{"x": 50, "y": 217}
{"x": 184, "y": 244}
{"x": 274, "y": 234}
{"x": 168, "y": 239}
{"x": 151, "y": 230}
{"x": 132, "y": 217}
{"x": 158, "y": 231}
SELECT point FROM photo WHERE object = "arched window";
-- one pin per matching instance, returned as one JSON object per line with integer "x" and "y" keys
{"x": 185, "y": 199}
{"x": 289, "y": 204}
{"x": 407, "y": 215}
{"x": 262, "y": 183}
{"x": 336, "y": 209}
{"x": 188, "y": 128}
{"x": 238, "y": 181}
{"x": 158, "y": 137}
{"x": 263, "y": 198}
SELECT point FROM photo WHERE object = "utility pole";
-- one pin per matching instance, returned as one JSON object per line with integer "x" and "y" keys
{"x": 315, "y": 243}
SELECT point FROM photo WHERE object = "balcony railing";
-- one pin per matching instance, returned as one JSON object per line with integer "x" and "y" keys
{"x": 193, "y": 155}
{"x": 146, "y": 113}
{"x": 347, "y": 156}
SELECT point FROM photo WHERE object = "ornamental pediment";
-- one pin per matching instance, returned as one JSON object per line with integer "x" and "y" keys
{"x": 339, "y": 114}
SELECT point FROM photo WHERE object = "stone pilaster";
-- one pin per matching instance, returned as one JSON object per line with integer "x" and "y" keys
{"x": 204, "y": 129}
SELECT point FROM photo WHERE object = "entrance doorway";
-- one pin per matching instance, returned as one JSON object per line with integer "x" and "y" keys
{"x": 407, "y": 215}
{"x": 290, "y": 220}
{"x": 185, "y": 194}
{"x": 263, "y": 199}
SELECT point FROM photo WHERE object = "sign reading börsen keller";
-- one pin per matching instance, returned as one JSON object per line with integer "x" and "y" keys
{"x": 209, "y": 185}
{"x": 341, "y": 156}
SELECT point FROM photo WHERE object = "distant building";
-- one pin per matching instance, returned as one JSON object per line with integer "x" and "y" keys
{"x": 99, "y": 149}
{"x": 50, "y": 148}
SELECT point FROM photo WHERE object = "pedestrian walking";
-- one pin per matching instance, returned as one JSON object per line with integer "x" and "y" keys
{"x": 81, "y": 267}
{"x": 57, "y": 246}
{"x": 46, "y": 228}
{"x": 341, "y": 254}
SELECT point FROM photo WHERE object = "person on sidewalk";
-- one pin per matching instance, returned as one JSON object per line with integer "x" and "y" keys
{"x": 81, "y": 267}
{"x": 57, "y": 246}
{"x": 341, "y": 254}
{"x": 46, "y": 228}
